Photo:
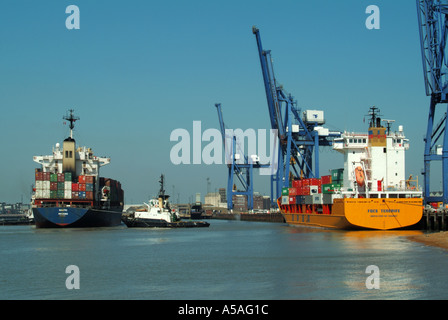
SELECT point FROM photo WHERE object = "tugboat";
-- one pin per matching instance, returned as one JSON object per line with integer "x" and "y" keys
{"x": 158, "y": 214}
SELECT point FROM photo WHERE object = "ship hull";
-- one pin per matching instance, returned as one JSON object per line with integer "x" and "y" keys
{"x": 58, "y": 217}
{"x": 159, "y": 223}
{"x": 357, "y": 213}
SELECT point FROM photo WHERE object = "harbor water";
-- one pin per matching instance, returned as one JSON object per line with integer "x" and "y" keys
{"x": 231, "y": 260}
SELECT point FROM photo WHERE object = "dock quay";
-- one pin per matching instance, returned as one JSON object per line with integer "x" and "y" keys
{"x": 435, "y": 219}
{"x": 260, "y": 217}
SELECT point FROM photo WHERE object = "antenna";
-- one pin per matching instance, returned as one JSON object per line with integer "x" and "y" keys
{"x": 388, "y": 123}
{"x": 72, "y": 120}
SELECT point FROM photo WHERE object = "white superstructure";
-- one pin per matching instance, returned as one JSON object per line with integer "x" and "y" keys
{"x": 85, "y": 162}
{"x": 374, "y": 163}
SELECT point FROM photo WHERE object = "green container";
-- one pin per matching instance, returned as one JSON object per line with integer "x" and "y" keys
{"x": 68, "y": 176}
{"x": 285, "y": 191}
{"x": 331, "y": 187}
{"x": 54, "y": 177}
{"x": 60, "y": 194}
{"x": 61, "y": 185}
{"x": 53, "y": 194}
{"x": 337, "y": 175}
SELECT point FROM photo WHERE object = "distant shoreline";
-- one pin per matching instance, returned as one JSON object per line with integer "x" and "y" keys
{"x": 436, "y": 239}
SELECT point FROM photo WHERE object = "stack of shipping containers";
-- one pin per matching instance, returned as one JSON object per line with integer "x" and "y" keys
{"x": 64, "y": 186}
{"x": 313, "y": 190}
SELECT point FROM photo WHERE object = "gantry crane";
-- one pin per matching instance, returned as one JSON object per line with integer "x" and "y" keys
{"x": 433, "y": 27}
{"x": 300, "y": 135}
{"x": 238, "y": 164}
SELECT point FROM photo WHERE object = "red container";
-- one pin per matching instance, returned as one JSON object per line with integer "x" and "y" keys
{"x": 81, "y": 187}
{"x": 75, "y": 187}
{"x": 89, "y": 179}
{"x": 53, "y": 186}
{"x": 292, "y": 199}
{"x": 305, "y": 182}
{"x": 82, "y": 179}
{"x": 60, "y": 177}
{"x": 326, "y": 179}
{"x": 306, "y": 191}
{"x": 39, "y": 176}
{"x": 46, "y": 176}
{"x": 293, "y": 191}
{"x": 75, "y": 195}
{"x": 296, "y": 183}
{"x": 89, "y": 195}
{"x": 315, "y": 182}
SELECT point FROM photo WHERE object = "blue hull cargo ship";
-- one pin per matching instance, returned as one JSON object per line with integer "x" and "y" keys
{"x": 69, "y": 191}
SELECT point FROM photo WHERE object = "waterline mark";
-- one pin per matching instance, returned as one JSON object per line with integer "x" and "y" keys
{"x": 255, "y": 151}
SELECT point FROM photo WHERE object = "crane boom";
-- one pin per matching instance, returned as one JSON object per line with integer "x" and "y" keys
{"x": 433, "y": 29}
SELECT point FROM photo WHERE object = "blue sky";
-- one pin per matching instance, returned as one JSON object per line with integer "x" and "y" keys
{"x": 137, "y": 70}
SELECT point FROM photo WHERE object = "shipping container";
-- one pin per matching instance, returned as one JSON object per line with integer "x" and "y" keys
{"x": 75, "y": 187}
{"x": 317, "y": 198}
{"x": 46, "y": 176}
{"x": 285, "y": 191}
{"x": 293, "y": 192}
{"x": 296, "y": 183}
{"x": 53, "y": 194}
{"x": 67, "y": 176}
{"x": 292, "y": 199}
{"x": 39, "y": 184}
{"x": 314, "y": 190}
{"x": 89, "y": 187}
{"x": 68, "y": 185}
{"x": 75, "y": 195}
{"x": 300, "y": 199}
{"x": 61, "y": 185}
{"x": 89, "y": 179}
{"x": 53, "y": 186}
{"x": 337, "y": 175}
{"x": 67, "y": 194}
{"x": 39, "y": 176}
{"x": 326, "y": 179}
{"x": 330, "y": 188}
{"x": 89, "y": 195}
{"x": 46, "y": 185}
{"x": 305, "y": 190}
{"x": 54, "y": 177}
{"x": 61, "y": 177}
{"x": 46, "y": 193}
{"x": 81, "y": 187}
{"x": 285, "y": 199}
{"x": 82, "y": 194}
{"x": 82, "y": 179}
{"x": 315, "y": 182}
{"x": 39, "y": 193}
{"x": 60, "y": 193}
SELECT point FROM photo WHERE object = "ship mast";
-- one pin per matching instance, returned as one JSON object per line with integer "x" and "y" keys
{"x": 375, "y": 120}
{"x": 72, "y": 120}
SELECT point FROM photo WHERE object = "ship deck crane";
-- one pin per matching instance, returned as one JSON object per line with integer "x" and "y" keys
{"x": 242, "y": 169}
{"x": 299, "y": 143}
{"x": 433, "y": 27}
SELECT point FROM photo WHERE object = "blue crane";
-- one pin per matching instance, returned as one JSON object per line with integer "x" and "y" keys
{"x": 297, "y": 143}
{"x": 433, "y": 27}
{"x": 242, "y": 169}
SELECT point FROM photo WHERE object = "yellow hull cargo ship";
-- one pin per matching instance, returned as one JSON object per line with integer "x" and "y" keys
{"x": 370, "y": 192}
